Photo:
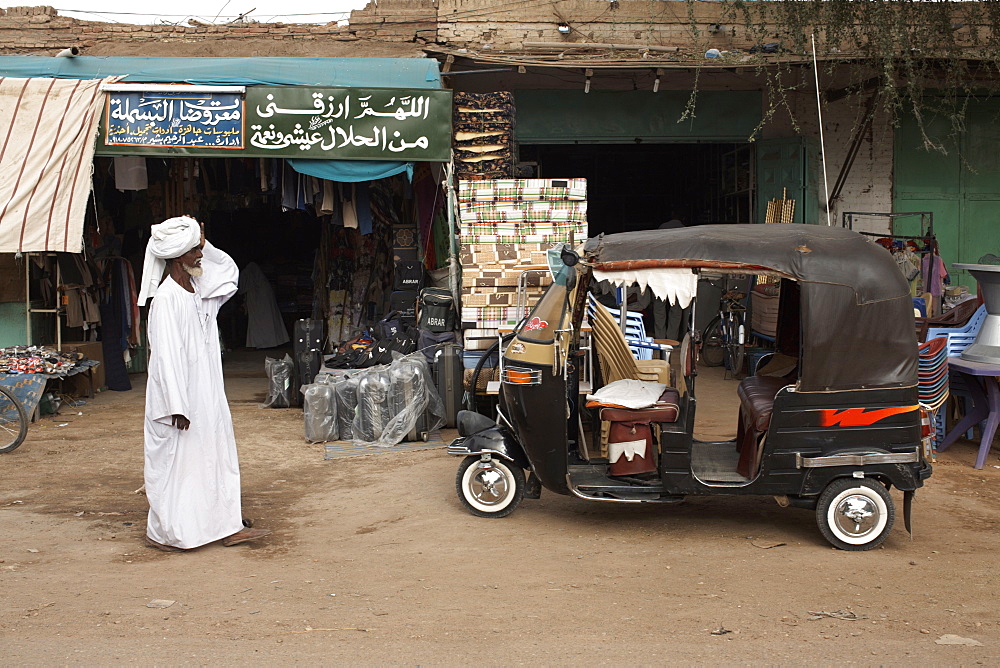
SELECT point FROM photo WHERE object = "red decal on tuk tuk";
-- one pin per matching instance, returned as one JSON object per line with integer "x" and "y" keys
{"x": 859, "y": 417}
{"x": 535, "y": 324}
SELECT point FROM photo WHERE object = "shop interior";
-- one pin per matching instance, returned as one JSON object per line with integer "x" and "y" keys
{"x": 327, "y": 249}
{"x": 640, "y": 186}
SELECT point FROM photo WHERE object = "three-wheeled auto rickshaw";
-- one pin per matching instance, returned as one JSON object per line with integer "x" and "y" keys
{"x": 834, "y": 434}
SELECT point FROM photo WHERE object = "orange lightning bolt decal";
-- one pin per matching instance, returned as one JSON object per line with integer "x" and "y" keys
{"x": 859, "y": 417}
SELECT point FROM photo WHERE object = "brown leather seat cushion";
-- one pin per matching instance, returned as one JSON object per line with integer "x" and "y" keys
{"x": 665, "y": 410}
{"x": 757, "y": 399}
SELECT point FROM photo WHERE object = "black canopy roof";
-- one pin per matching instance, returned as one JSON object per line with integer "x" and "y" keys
{"x": 857, "y": 312}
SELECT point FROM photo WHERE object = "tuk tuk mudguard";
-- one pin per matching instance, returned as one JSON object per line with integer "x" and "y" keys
{"x": 540, "y": 411}
{"x": 495, "y": 441}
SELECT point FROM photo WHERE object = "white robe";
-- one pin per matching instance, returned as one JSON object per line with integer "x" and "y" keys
{"x": 192, "y": 476}
{"x": 265, "y": 327}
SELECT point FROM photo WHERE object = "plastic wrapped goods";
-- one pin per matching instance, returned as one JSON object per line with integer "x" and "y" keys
{"x": 346, "y": 389}
{"x": 279, "y": 382}
{"x": 374, "y": 409}
{"x": 397, "y": 402}
{"x": 319, "y": 405}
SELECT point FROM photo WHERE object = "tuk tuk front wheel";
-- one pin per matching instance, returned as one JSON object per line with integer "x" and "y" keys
{"x": 855, "y": 514}
{"x": 489, "y": 489}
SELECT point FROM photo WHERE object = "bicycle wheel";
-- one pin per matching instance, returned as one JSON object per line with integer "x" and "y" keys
{"x": 13, "y": 421}
{"x": 735, "y": 350}
{"x": 712, "y": 343}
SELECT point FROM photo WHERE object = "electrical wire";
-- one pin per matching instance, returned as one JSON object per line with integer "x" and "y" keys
{"x": 100, "y": 13}
{"x": 462, "y": 15}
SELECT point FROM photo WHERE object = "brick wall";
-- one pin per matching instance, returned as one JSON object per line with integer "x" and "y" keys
{"x": 396, "y": 21}
{"x": 41, "y": 31}
{"x": 478, "y": 22}
{"x": 869, "y": 183}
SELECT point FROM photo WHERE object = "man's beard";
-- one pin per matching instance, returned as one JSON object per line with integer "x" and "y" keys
{"x": 192, "y": 270}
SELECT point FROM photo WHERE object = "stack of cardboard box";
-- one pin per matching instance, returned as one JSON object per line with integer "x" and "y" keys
{"x": 506, "y": 227}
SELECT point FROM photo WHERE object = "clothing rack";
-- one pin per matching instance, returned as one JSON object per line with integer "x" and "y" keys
{"x": 926, "y": 232}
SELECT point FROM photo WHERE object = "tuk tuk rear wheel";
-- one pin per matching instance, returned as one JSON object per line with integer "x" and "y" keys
{"x": 494, "y": 490}
{"x": 855, "y": 514}
{"x": 713, "y": 352}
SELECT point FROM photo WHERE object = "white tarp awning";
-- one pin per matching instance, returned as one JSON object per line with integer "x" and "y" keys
{"x": 48, "y": 128}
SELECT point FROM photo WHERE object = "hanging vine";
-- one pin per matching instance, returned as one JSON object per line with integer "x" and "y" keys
{"x": 923, "y": 59}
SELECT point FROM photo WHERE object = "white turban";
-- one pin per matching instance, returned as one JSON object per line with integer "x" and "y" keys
{"x": 170, "y": 239}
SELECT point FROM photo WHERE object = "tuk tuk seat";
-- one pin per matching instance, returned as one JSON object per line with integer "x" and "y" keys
{"x": 666, "y": 409}
{"x": 757, "y": 395}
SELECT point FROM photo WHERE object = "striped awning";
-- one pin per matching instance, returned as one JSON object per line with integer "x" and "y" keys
{"x": 48, "y": 129}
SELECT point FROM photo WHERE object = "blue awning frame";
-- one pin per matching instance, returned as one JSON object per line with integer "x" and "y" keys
{"x": 346, "y": 72}
{"x": 251, "y": 71}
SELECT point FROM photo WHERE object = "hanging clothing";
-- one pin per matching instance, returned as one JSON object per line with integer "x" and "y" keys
{"x": 329, "y": 199}
{"x": 130, "y": 173}
{"x": 265, "y": 326}
{"x": 349, "y": 210}
{"x": 363, "y": 207}
{"x": 934, "y": 284}
{"x": 192, "y": 476}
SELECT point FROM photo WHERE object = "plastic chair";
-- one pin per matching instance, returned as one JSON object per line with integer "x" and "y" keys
{"x": 639, "y": 343}
{"x": 958, "y": 316}
{"x": 614, "y": 356}
{"x": 960, "y": 338}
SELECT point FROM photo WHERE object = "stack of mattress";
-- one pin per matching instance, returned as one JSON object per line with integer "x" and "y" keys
{"x": 506, "y": 227}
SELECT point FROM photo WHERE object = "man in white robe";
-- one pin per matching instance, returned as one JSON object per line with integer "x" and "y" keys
{"x": 191, "y": 469}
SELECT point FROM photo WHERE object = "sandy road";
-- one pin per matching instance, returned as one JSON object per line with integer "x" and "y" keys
{"x": 373, "y": 560}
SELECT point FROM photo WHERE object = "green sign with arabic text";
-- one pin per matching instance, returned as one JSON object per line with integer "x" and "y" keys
{"x": 302, "y": 122}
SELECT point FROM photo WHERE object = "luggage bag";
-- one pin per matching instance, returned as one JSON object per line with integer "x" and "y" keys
{"x": 374, "y": 409}
{"x": 319, "y": 404}
{"x": 449, "y": 371}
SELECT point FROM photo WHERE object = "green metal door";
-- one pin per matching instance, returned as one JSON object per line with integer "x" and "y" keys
{"x": 789, "y": 167}
{"x": 960, "y": 185}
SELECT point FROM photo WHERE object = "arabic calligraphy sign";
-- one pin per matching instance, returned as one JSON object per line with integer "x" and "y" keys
{"x": 154, "y": 119}
{"x": 349, "y": 123}
{"x": 285, "y": 121}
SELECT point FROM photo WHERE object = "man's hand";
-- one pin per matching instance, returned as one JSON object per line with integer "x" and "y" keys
{"x": 181, "y": 422}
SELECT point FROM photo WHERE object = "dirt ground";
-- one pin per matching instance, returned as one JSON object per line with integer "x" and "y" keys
{"x": 374, "y": 560}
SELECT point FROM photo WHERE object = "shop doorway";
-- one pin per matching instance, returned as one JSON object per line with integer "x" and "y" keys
{"x": 640, "y": 186}
{"x": 327, "y": 249}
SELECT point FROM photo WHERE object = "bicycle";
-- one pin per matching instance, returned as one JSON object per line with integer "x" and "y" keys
{"x": 13, "y": 421}
{"x": 724, "y": 338}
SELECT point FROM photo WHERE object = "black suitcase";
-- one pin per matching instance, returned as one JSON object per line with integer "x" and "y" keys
{"x": 449, "y": 371}
{"x": 409, "y": 385}
{"x": 346, "y": 390}
{"x": 405, "y": 302}
{"x": 319, "y": 405}
{"x": 374, "y": 407}
{"x": 307, "y": 353}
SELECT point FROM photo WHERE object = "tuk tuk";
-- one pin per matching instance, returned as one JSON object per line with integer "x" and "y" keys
{"x": 832, "y": 435}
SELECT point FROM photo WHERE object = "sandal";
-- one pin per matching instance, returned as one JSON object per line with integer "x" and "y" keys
{"x": 160, "y": 546}
{"x": 244, "y": 535}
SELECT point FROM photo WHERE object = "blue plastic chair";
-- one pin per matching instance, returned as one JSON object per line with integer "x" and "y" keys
{"x": 642, "y": 346}
{"x": 959, "y": 338}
